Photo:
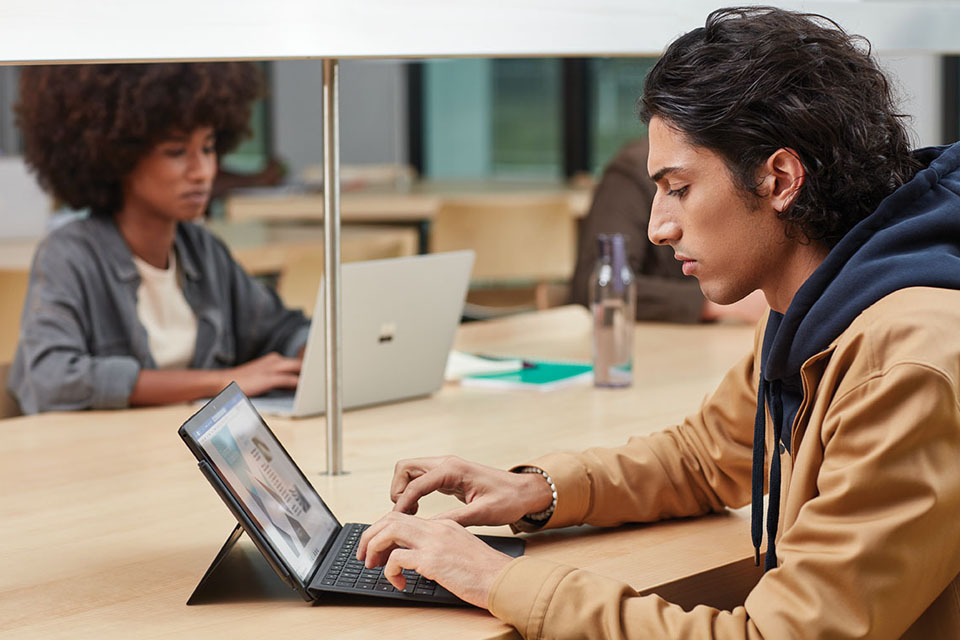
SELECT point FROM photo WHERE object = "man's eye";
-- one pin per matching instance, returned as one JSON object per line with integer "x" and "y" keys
{"x": 677, "y": 192}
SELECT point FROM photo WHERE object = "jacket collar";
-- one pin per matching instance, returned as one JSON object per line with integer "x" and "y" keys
{"x": 187, "y": 258}
{"x": 107, "y": 238}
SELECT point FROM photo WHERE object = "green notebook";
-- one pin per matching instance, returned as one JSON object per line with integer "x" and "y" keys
{"x": 540, "y": 375}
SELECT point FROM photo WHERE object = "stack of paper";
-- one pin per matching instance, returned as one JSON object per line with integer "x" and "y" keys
{"x": 461, "y": 364}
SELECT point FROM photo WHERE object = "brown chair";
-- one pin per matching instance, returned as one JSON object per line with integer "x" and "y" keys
{"x": 8, "y": 404}
{"x": 13, "y": 291}
{"x": 525, "y": 245}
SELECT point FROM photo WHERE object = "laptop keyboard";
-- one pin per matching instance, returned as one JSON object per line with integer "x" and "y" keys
{"x": 347, "y": 572}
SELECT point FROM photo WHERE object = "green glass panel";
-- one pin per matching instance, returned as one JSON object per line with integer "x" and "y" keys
{"x": 615, "y": 86}
{"x": 527, "y": 117}
{"x": 252, "y": 154}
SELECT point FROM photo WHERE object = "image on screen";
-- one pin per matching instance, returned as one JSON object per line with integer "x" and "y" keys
{"x": 287, "y": 509}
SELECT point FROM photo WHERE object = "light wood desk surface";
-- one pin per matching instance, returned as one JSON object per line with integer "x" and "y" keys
{"x": 107, "y": 525}
{"x": 17, "y": 253}
{"x": 412, "y": 203}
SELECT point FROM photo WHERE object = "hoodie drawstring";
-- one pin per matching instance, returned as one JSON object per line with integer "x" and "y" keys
{"x": 759, "y": 444}
{"x": 759, "y": 452}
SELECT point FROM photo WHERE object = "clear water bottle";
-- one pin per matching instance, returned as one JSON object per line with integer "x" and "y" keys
{"x": 613, "y": 301}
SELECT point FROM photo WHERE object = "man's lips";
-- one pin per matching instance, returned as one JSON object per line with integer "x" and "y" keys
{"x": 689, "y": 264}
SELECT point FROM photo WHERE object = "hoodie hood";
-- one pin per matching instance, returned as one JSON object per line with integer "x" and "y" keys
{"x": 912, "y": 239}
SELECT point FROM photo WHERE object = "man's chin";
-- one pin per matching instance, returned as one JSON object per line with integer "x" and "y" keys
{"x": 720, "y": 297}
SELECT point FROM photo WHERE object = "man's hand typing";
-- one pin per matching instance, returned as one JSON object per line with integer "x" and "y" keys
{"x": 440, "y": 550}
{"x": 490, "y": 496}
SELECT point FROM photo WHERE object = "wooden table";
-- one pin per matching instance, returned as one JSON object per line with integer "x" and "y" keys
{"x": 262, "y": 248}
{"x": 269, "y": 248}
{"x": 106, "y": 524}
{"x": 413, "y": 204}
{"x": 405, "y": 203}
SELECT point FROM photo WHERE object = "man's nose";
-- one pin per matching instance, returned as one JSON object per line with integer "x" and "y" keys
{"x": 662, "y": 228}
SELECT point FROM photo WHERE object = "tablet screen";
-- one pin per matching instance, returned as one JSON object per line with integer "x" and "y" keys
{"x": 265, "y": 480}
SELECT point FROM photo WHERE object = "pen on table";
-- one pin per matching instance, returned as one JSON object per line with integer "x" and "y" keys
{"x": 526, "y": 364}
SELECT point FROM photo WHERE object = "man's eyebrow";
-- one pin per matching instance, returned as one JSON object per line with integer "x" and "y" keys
{"x": 666, "y": 170}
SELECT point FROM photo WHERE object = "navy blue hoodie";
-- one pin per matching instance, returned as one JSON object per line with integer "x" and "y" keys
{"x": 912, "y": 239}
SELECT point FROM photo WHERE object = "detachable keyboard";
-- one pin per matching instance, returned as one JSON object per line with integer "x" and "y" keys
{"x": 348, "y": 574}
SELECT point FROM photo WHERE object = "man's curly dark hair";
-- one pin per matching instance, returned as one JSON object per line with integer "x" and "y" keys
{"x": 85, "y": 127}
{"x": 757, "y": 79}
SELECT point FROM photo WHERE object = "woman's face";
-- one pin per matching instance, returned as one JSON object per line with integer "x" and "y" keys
{"x": 174, "y": 178}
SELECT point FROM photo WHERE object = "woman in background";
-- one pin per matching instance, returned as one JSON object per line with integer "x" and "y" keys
{"x": 134, "y": 304}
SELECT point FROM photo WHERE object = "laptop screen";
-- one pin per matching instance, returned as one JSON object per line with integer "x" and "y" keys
{"x": 265, "y": 480}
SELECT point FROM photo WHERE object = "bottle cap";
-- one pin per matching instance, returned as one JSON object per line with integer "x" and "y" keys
{"x": 622, "y": 276}
{"x": 604, "y": 246}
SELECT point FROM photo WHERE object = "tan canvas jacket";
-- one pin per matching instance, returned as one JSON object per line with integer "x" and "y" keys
{"x": 869, "y": 543}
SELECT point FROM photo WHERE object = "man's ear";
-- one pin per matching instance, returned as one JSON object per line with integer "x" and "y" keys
{"x": 785, "y": 175}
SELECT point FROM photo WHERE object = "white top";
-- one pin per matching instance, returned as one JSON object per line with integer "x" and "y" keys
{"x": 163, "y": 311}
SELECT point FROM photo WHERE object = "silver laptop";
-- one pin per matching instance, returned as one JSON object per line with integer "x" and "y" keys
{"x": 398, "y": 321}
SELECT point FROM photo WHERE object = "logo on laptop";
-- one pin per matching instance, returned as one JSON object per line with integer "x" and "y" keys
{"x": 387, "y": 331}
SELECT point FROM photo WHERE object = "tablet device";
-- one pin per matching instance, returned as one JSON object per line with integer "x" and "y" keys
{"x": 284, "y": 515}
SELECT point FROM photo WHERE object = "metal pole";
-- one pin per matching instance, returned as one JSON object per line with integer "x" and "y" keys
{"x": 331, "y": 240}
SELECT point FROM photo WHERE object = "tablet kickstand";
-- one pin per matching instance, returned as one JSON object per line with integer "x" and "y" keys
{"x": 239, "y": 573}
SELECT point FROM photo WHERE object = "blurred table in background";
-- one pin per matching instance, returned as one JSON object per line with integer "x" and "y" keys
{"x": 409, "y": 203}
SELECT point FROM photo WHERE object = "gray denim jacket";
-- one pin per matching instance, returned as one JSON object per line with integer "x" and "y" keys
{"x": 81, "y": 342}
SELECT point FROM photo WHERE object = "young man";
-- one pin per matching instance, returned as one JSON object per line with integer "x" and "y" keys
{"x": 781, "y": 165}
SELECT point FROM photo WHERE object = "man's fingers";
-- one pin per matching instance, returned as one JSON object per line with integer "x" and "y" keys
{"x": 420, "y": 486}
{"x": 406, "y": 470}
{"x": 368, "y": 535}
{"x": 399, "y": 560}
{"x": 403, "y": 473}
{"x": 391, "y": 531}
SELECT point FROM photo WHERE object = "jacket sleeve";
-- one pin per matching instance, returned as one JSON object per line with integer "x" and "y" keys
{"x": 865, "y": 558}
{"x": 53, "y": 369}
{"x": 701, "y": 465}
{"x": 262, "y": 324}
